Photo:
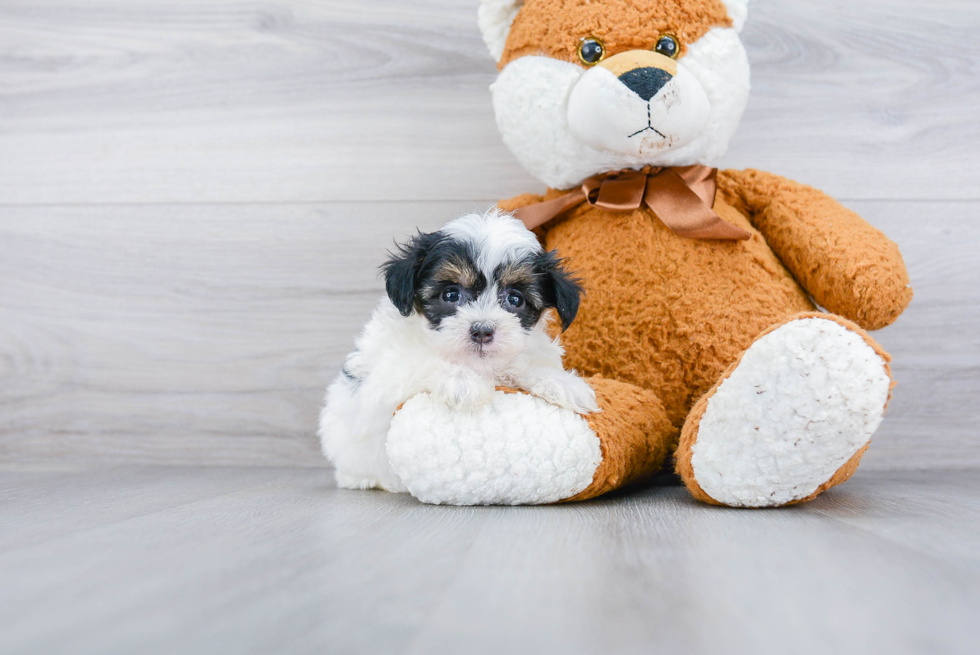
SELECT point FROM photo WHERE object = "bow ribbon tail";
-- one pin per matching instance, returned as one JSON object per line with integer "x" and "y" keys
{"x": 703, "y": 180}
{"x": 537, "y": 215}
{"x": 685, "y": 212}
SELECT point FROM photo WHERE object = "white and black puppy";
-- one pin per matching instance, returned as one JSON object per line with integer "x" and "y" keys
{"x": 466, "y": 311}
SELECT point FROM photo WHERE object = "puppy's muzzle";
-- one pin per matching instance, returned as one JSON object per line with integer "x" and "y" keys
{"x": 481, "y": 333}
{"x": 643, "y": 72}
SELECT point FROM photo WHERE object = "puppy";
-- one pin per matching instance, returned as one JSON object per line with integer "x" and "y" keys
{"x": 466, "y": 310}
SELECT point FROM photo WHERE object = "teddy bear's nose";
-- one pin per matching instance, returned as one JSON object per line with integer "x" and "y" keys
{"x": 646, "y": 82}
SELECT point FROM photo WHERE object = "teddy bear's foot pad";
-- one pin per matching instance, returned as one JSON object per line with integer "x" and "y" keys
{"x": 802, "y": 402}
{"x": 517, "y": 450}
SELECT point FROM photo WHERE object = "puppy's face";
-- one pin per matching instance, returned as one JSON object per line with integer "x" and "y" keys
{"x": 481, "y": 284}
{"x": 593, "y": 87}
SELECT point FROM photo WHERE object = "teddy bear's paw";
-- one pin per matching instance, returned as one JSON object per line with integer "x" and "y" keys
{"x": 786, "y": 424}
{"x": 515, "y": 450}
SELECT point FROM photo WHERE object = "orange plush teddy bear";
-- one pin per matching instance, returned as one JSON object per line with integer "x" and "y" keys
{"x": 701, "y": 324}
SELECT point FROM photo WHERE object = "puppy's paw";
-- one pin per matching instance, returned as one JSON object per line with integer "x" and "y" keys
{"x": 347, "y": 480}
{"x": 566, "y": 389}
{"x": 464, "y": 388}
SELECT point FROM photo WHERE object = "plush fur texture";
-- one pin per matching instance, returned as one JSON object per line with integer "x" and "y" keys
{"x": 721, "y": 296}
{"x": 847, "y": 265}
{"x": 448, "y": 327}
{"x": 553, "y": 28}
{"x": 496, "y": 17}
{"x": 519, "y": 450}
{"x": 665, "y": 313}
{"x": 688, "y": 328}
{"x": 691, "y": 427}
{"x": 671, "y": 314}
{"x": 634, "y": 434}
{"x": 738, "y": 11}
{"x": 565, "y": 123}
{"x": 514, "y": 450}
{"x": 798, "y": 405}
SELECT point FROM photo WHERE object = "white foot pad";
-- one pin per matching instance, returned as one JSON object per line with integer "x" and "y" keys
{"x": 803, "y": 400}
{"x": 518, "y": 450}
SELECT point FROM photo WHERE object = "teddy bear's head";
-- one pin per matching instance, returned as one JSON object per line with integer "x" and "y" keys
{"x": 592, "y": 86}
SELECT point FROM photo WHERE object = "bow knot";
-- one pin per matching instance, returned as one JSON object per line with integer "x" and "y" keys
{"x": 681, "y": 197}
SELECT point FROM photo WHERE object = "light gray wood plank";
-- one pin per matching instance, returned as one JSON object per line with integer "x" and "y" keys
{"x": 184, "y": 333}
{"x": 206, "y": 334}
{"x": 109, "y": 101}
{"x": 293, "y": 565}
{"x": 663, "y": 574}
{"x": 933, "y": 417}
{"x": 939, "y": 520}
{"x": 846, "y": 99}
{"x": 33, "y": 505}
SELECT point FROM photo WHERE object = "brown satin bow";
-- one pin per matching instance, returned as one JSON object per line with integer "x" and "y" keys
{"x": 681, "y": 197}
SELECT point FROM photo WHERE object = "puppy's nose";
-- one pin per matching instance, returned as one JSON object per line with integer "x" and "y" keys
{"x": 646, "y": 82}
{"x": 481, "y": 333}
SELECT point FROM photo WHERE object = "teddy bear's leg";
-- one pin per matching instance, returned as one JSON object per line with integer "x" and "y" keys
{"x": 520, "y": 450}
{"x": 790, "y": 419}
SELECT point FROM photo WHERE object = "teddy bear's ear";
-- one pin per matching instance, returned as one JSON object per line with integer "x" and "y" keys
{"x": 738, "y": 11}
{"x": 496, "y": 17}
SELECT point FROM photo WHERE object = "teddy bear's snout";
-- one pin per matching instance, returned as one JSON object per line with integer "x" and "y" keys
{"x": 643, "y": 72}
{"x": 638, "y": 103}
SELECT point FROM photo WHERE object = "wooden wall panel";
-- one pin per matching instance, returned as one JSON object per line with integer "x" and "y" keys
{"x": 181, "y": 101}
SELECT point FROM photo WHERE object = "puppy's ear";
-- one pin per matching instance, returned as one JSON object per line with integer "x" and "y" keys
{"x": 562, "y": 290}
{"x": 402, "y": 269}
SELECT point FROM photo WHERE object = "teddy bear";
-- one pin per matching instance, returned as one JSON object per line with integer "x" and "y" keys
{"x": 725, "y": 317}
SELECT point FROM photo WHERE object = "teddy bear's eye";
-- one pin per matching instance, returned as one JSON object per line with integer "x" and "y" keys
{"x": 667, "y": 46}
{"x": 591, "y": 51}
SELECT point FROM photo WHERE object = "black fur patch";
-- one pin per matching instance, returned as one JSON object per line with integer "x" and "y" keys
{"x": 401, "y": 271}
{"x": 420, "y": 272}
{"x": 522, "y": 277}
{"x": 561, "y": 288}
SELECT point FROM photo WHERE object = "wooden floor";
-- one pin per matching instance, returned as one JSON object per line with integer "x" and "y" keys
{"x": 258, "y": 560}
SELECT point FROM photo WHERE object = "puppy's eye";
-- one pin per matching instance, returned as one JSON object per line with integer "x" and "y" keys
{"x": 668, "y": 46}
{"x": 515, "y": 299}
{"x": 451, "y": 295}
{"x": 591, "y": 51}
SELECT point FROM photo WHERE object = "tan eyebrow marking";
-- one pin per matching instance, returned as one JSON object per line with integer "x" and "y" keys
{"x": 521, "y": 275}
{"x": 516, "y": 274}
{"x": 458, "y": 271}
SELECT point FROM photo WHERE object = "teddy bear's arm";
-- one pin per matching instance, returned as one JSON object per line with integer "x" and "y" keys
{"x": 848, "y": 266}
